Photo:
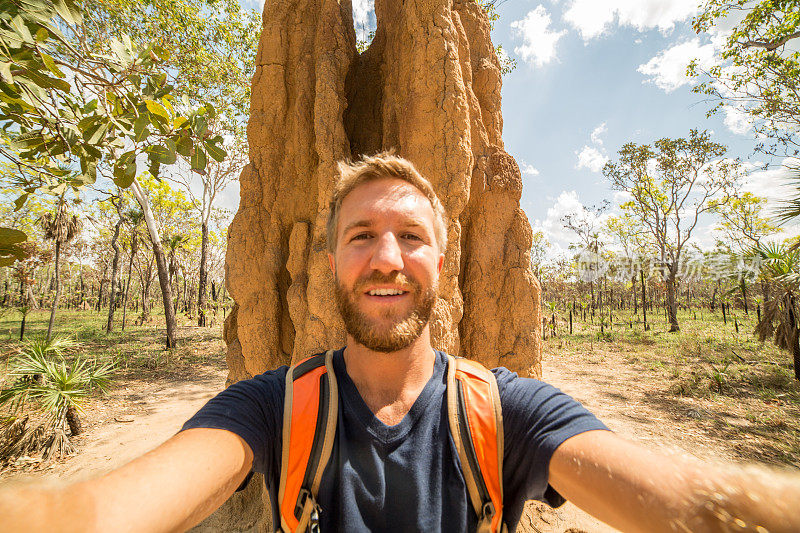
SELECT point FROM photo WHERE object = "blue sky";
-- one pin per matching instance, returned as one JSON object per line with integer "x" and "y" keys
{"x": 592, "y": 75}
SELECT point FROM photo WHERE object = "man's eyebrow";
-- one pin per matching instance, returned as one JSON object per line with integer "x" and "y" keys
{"x": 364, "y": 223}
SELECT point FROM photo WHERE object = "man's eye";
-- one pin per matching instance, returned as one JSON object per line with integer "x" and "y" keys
{"x": 412, "y": 237}
{"x": 360, "y": 236}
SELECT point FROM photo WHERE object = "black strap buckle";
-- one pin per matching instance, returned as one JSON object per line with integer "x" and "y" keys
{"x": 313, "y": 520}
{"x": 488, "y": 511}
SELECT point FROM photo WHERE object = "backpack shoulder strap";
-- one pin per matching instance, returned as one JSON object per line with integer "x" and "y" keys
{"x": 309, "y": 428}
{"x": 476, "y": 425}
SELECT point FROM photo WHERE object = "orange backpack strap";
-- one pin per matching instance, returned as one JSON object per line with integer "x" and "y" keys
{"x": 476, "y": 424}
{"x": 309, "y": 426}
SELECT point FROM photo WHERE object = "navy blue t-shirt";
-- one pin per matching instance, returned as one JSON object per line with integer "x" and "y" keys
{"x": 405, "y": 477}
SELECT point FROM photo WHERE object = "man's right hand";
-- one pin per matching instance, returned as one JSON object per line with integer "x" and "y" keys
{"x": 171, "y": 488}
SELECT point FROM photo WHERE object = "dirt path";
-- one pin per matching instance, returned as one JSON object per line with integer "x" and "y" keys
{"x": 135, "y": 418}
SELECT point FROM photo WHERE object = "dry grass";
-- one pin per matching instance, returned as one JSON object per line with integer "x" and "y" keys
{"x": 738, "y": 393}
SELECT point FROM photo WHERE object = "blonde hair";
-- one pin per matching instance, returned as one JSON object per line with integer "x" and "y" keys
{"x": 382, "y": 165}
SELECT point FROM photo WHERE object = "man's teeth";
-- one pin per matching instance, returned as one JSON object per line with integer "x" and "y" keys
{"x": 385, "y": 292}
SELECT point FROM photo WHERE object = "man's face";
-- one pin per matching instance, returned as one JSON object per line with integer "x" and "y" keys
{"x": 386, "y": 264}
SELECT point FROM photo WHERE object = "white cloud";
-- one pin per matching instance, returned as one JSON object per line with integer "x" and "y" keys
{"x": 567, "y": 203}
{"x": 594, "y": 17}
{"x": 560, "y": 237}
{"x": 538, "y": 40}
{"x": 527, "y": 169}
{"x": 591, "y": 158}
{"x": 361, "y": 12}
{"x": 597, "y": 133}
{"x": 736, "y": 120}
{"x": 667, "y": 70}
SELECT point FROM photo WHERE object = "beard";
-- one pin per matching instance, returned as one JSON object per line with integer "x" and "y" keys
{"x": 402, "y": 330}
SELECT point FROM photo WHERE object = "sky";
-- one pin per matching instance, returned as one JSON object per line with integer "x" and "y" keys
{"x": 592, "y": 75}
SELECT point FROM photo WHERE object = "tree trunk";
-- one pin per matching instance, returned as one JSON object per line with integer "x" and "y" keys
{"x": 743, "y": 288}
{"x": 145, "y": 316}
{"x": 57, "y": 293}
{"x": 161, "y": 264}
{"x": 644, "y": 300}
{"x": 201, "y": 285}
{"x": 114, "y": 273}
{"x": 672, "y": 304}
{"x": 134, "y": 248}
{"x": 73, "y": 421}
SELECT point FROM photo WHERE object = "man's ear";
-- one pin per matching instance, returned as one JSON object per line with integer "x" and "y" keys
{"x": 441, "y": 264}
{"x": 332, "y": 263}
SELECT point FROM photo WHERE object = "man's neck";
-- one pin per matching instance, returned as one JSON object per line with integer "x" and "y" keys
{"x": 390, "y": 383}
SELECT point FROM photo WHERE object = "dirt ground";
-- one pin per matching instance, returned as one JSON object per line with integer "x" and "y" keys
{"x": 140, "y": 412}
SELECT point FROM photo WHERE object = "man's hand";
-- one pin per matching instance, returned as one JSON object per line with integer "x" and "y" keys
{"x": 633, "y": 489}
{"x": 170, "y": 488}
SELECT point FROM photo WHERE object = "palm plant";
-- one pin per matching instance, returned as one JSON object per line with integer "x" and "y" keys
{"x": 59, "y": 227}
{"x": 780, "y": 319}
{"x": 57, "y": 386}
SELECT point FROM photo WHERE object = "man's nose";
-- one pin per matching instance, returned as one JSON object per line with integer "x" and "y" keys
{"x": 387, "y": 256}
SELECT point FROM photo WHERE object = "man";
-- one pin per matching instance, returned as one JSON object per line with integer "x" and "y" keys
{"x": 393, "y": 467}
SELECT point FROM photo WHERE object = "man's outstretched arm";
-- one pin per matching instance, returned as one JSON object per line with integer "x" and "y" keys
{"x": 634, "y": 489}
{"x": 170, "y": 488}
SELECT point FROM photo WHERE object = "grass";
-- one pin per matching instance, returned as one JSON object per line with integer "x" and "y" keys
{"x": 745, "y": 389}
{"x": 137, "y": 349}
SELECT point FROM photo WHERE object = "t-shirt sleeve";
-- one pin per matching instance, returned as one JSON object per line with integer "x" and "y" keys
{"x": 537, "y": 419}
{"x": 253, "y": 409}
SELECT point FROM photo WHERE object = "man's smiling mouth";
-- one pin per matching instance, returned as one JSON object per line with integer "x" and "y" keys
{"x": 386, "y": 292}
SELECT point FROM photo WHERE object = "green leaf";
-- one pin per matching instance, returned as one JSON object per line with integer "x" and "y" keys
{"x": 46, "y": 82}
{"x": 19, "y": 202}
{"x": 200, "y": 125}
{"x": 20, "y": 28}
{"x": 98, "y": 134}
{"x": 121, "y": 51}
{"x": 5, "y": 72}
{"x": 199, "y": 160}
{"x": 51, "y": 64}
{"x": 184, "y": 144}
{"x": 88, "y": 172}
{"x": 163, "y": 154}
{"x": 140, "y": 130}
{"x": 68, "y": 11}
{"x": 156, "y": 109}
{"x": 12, "y": 236}
{"x": 155, "y": 167}
{"x": 217, "y": 154}
{"x": 124, "y": 173}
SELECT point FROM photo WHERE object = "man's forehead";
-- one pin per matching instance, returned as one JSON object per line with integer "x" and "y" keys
{"x": 373, "y": 201}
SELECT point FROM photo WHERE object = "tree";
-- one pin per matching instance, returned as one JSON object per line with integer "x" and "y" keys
{"x": 59, "y": 227}
{"x": 671, "y": 184}
{"x": 116, "y": 201}
{"x": 586, "y": 224}
{"x": 217, "y": 177}
{"x": 70, "y": 100}
{"x": 757, "y": 68}
{"x": 134, "y": 218}
{"x": 741, "y": 217}
{"x": 633, "y": 240}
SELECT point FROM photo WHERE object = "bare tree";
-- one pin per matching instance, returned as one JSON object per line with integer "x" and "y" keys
{"x": 217, "y": 176}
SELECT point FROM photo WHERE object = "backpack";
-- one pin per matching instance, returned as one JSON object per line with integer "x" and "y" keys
{"x": 309, "y": 428}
